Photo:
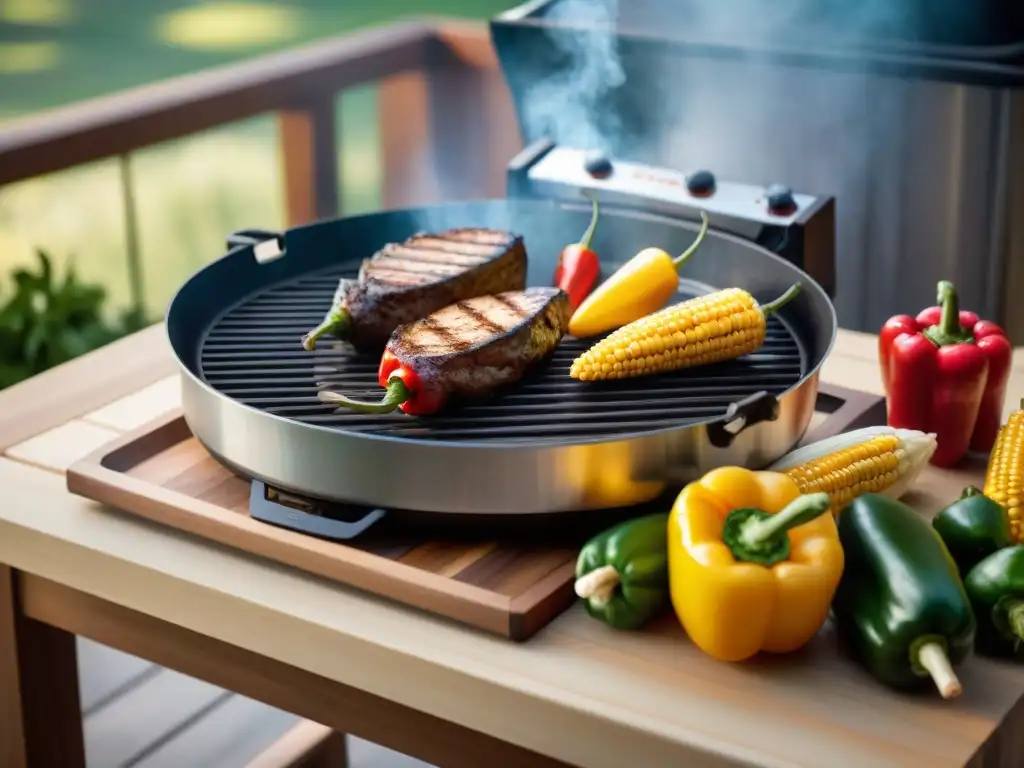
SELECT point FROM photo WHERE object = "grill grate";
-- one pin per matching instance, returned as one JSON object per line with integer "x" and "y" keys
{"x": 252, "y": 355}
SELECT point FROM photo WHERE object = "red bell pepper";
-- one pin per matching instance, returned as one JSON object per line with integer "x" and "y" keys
{"x": 405, "y": 391}
{"x": 945, "y": 371}
{"x": 578, "y": 267}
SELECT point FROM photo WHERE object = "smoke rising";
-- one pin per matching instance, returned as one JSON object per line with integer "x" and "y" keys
{"x": 571, "y": 103}
{"x": 570, "y": 106}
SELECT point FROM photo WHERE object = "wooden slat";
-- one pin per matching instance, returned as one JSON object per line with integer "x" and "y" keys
{"x": 40, "y": 709}
{"x": 83, "y": 384}
{"x": 363, "y": 754}
{"x": 134, "y": 410}
{"x": 231, "y": 735}
{"x": 12, "y": 721}
{"x": 407, "y": 166}
{"x": 467, "y": 41}
{"x": 59, "y": 448}
{"x": 310, "y": 159}
{"x": 311, "y": 745}
{"x": 289, "y": 688}
{"x": 129, "y": 726}
{"x": 140, "y": 117}
{"x": 447, "y": 133}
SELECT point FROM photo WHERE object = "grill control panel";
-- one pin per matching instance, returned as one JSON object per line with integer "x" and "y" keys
{"x": 698, "y": 191}
{"x": 799, "y": 227}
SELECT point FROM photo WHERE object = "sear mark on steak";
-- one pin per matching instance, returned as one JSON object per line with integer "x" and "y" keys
{"x": 473, "y": 346}
{"x": 404, "y": 282}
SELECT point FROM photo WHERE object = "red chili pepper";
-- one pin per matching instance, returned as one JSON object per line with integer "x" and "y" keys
{"x": 945, "y": 371}
{"x": 578, "y": 267}
{"x": 405, "y": 391}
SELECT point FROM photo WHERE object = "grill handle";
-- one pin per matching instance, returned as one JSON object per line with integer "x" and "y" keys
{"x": 760, "y": 406}
{"x": 263, "y": 509}
{"x": 246, "y": 237}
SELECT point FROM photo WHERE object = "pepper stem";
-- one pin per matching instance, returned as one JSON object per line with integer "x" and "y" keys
{"x": 599, "y": 585}
{"x": 678, "y": 261}
{"x": 932, "y": 656}
{"x": 335, "y": 322}
{"x": 1015, "y": 618}
{"x": 803, "y": 509}
{"x": 950, "y": 303}
{"x": 592, "y": 227}
{"x": 948, "y": 330}
{"x": 754, "y": 536}
{"x": 396, "y": 394}
{"x": 783, "y": 300}
{"x": 970, "y": 491}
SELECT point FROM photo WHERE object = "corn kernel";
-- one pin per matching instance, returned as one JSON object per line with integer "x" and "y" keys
{"x": 1004, "y": 479}
{"x": 701, "y": 331}
{"x": 868, "y": 467}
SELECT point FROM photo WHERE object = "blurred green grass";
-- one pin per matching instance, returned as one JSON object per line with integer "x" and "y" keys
{"x": 191, "y": 193}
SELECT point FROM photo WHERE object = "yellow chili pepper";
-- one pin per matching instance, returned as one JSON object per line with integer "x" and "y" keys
{"x": 642, "y": 285}
{"x": 753, "y": 564}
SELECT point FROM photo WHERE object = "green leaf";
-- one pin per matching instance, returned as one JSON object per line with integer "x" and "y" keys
{"x": 49, "y": 318}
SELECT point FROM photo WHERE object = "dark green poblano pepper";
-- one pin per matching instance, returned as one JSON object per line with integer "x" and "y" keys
{"x": 622, "y": 573}
{"x": 973, "y": 527}
{"x": 995, "y": 587}
{"x": 901, "y": 609}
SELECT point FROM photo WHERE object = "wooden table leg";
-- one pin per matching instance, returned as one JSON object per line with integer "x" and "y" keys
{"x": 40, "y": 708}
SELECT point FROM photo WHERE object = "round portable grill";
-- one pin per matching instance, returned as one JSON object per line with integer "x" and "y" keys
{"x": 546, "y": 444}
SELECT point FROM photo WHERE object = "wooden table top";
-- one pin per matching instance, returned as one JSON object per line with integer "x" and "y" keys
{"x": 578, "y": 691}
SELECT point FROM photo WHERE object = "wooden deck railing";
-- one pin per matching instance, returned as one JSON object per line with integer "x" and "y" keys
{"x": 446, "y": 121}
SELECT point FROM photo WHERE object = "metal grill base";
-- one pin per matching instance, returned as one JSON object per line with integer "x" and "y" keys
{"x": 252, "y": 355}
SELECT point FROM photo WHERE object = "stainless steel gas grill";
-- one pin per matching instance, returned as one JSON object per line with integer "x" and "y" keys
{"x": 908, "y": 112}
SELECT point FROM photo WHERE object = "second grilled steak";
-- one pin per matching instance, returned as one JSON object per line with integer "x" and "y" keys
{"x": 406, "y": 281}
{"x": 471, "y": 347}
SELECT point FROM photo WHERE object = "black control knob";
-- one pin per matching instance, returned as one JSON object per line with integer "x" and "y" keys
{"x": 597, "y": 164}
{"x": 701, "y": 183}
{"x": 780, "y": 200}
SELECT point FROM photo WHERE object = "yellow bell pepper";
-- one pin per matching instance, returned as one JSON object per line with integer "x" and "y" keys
{"x": 753, "y": 564}
{"x": 642, "y": 285}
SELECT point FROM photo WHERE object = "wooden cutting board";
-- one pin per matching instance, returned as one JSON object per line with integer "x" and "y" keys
{"x": 502, "y": 579}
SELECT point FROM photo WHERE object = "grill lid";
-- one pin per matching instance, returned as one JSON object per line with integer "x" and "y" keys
{"x": 615, "y": 70}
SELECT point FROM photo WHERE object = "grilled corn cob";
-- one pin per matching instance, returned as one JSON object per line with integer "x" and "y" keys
{"x": 708, "y": 329}
{"x": 1004, "y": 480}
{"x": 880, "y": 460}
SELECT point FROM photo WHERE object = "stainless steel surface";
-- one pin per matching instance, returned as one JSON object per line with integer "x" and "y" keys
{"x": 918, "y": 142}
{"x": 492, "y": 477}
{"x": 563, "y": 169}
{"x": 920, "y": 172}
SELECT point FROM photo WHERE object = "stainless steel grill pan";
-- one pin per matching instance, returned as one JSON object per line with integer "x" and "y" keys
{"x": 550, "y": 443}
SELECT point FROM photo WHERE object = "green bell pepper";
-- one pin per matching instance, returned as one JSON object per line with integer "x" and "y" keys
{"x": 995, "y": 587}
{"x": 973, "y": 527}
{"x": 900, "y": 609}
{"x": 622, "y": 573}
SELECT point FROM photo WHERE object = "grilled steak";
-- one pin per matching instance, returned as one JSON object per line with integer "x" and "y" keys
{"x": 406, "y": 281}
{"x": 473, "y": 346}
